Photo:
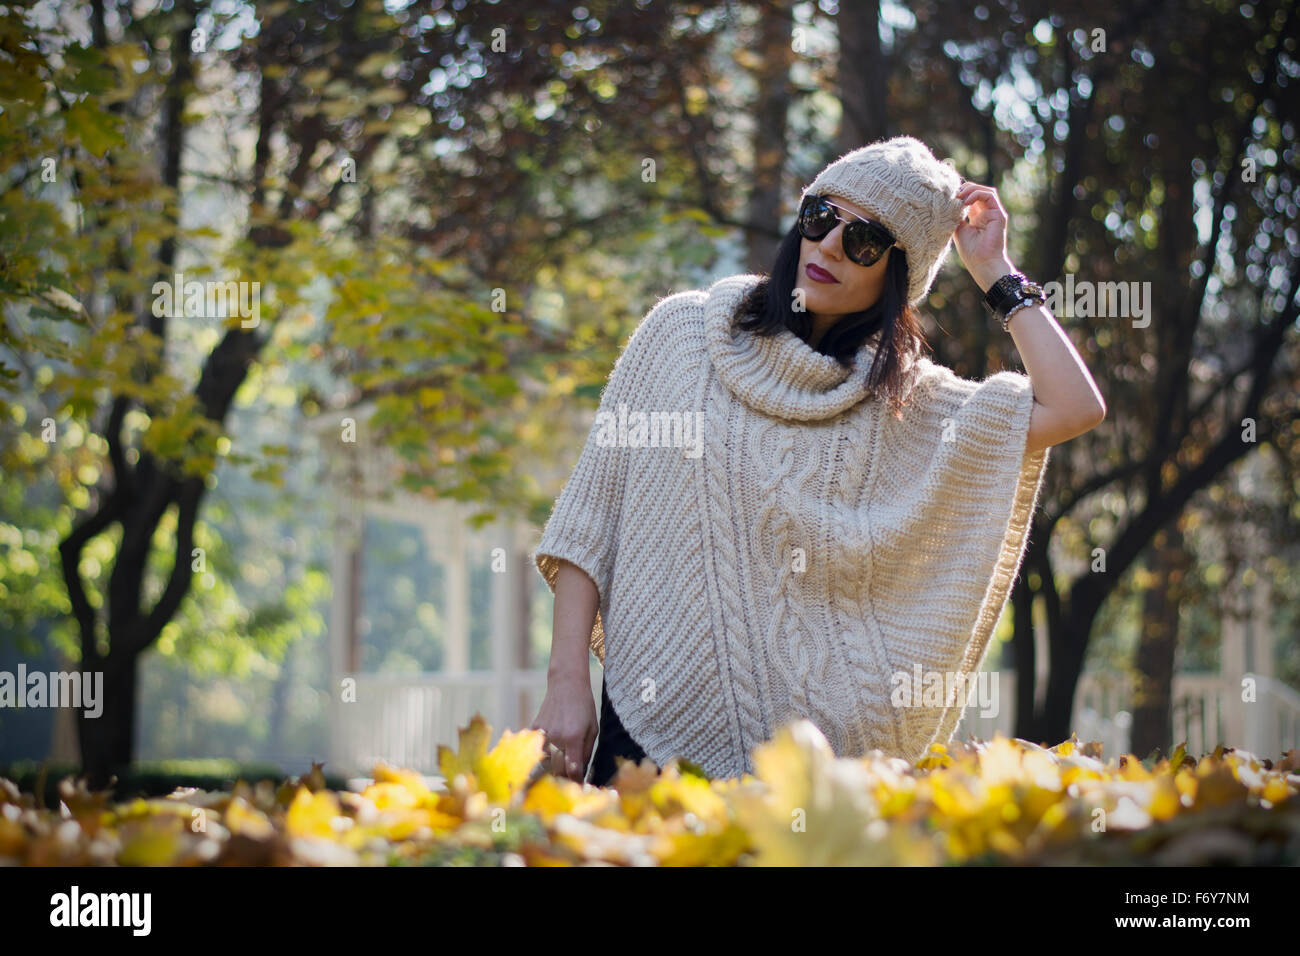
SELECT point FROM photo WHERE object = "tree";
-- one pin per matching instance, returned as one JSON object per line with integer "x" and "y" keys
{"x": 343, "y": 111}
{"x": 161, "y": 436}
{"x": 1204, "y": 380}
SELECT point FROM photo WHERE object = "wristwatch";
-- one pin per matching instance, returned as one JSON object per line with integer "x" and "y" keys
{"x": 1010, "y": 294}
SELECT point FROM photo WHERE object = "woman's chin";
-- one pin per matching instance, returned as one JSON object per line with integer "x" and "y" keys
{"x": 815, "y": 300}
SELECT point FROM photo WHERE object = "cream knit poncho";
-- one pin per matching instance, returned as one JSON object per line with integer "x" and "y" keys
{"x": 811, "y": 548}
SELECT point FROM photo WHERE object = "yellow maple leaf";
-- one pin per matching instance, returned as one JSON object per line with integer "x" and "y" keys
{"x": 403, "y": 824}
{"x": 498, "y": 773}
{"x": 935, "y": 759}
{"x": 312, "y": 814}
{"x": 551, "y": 796}
{"x": 1000, "y": 762}
{"x": 1218, "y": 786}
{"x": 398, "y": 788}
{"x": 244, "y": 818}
{"x": 472, "y": 745}
{"x": 633, "y": 777}
{"x": 506, "y": 766}
{"x": 150, "y": 843}
{"x": 1133, "y": 770}
{"x": 808, "y": 808}
{"x": 675, "y": 793}
{"x": 1165, "y": 800}
{"x": 683, "y": 847}
{"x": 1275, "y": 790}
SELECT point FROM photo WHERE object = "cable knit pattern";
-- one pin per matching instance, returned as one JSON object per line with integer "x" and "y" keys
{"x": 912, "y": 531}
{"x": 721, "y": 559}
{"x": 777, "y": 533}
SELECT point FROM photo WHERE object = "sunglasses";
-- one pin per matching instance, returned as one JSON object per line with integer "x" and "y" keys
{"x": 864, "y": 240}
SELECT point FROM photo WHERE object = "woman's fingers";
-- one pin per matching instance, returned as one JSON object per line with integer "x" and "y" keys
{"x": 567, "y": 739}
{"x": 557, "y": 760}
{"x": 566, "y": 761}
{"x": 973, "y": 194}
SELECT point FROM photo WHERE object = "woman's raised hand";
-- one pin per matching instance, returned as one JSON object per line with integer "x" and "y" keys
{"x": 981, "y": 238}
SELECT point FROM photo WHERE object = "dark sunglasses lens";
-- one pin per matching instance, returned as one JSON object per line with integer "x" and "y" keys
{"x": 816, "y": 218}
{"x": 865, "y": 244}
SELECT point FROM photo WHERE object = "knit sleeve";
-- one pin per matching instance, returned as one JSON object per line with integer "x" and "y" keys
{"x": 956, "y": 491}
{"x": 583, "y": 528}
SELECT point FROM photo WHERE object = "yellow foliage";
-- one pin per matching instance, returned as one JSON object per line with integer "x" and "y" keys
{"x": 312, "y": 814}
{"x": 498, "y": 773}
{"x": 973, "y": 802}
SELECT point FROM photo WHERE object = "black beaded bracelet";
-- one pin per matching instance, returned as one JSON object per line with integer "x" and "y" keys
{"x": 1009, "y": 293}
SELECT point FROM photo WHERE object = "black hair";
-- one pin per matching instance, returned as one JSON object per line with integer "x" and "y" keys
{"x": 769, "y": 307}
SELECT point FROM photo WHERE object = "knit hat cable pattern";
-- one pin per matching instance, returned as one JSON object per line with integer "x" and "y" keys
{"x": 901, "y": 183}
{"x": 780, "y": 374}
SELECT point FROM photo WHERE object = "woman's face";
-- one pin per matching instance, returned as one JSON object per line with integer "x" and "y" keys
{"x": 856, "y": 287}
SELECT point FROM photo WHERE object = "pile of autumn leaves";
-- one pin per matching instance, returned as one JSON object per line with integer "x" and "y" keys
{"x": 1001, "y": 802}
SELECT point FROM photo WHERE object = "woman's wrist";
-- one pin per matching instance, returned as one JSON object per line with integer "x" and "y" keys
{"x": 565, "y": 673}
{"x": 987, "y": 273}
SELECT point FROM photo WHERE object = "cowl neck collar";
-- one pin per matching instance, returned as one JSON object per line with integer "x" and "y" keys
{"x": 779, "y": 375}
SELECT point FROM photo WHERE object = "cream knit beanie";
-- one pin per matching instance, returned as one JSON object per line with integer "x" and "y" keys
{"x": 901, "y": 183}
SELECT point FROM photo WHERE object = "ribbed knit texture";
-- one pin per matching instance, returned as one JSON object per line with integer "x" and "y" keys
{"x": 710, "y": 634}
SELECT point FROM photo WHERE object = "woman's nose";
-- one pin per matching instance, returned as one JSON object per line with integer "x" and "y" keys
{"x": 830, "y": 243}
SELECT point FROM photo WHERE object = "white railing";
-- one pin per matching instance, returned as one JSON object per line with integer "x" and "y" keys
{"x": 403, "y": 719}
{"x": 1272, "y": 721}
{"x": 1207, "y": 711}
{"x": 1203, "y": 715}
{"x": 1100, "y": 713}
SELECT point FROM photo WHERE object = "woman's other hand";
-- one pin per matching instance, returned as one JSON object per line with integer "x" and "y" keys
{"x": 568, "y": 718}
{"x": 568, "y": 714}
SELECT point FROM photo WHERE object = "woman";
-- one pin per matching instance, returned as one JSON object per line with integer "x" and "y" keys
{"x": 855, "y": 516}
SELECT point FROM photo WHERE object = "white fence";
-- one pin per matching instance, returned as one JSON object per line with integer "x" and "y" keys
{"x": 402, "y": 720}
{"x": 1208, "y": 710}
{"x": 1272, "y": 724}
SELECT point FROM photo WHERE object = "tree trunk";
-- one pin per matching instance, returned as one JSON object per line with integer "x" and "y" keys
{"x": 773, "y": 80}
{"x": 138, "y": 498}
{"x": 1153, "y": 692}
{"x": 1026, "y": 658}
{"x": 107, "y": 742}
{"x": 863, "y": 76}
